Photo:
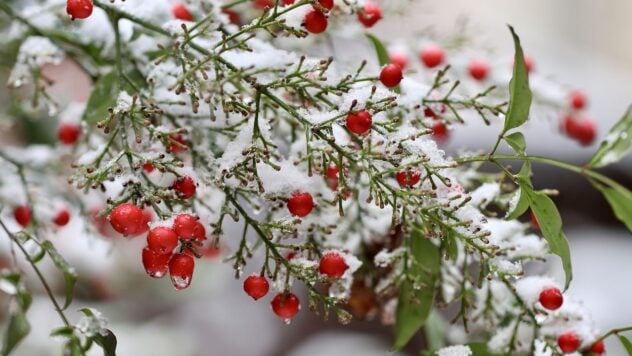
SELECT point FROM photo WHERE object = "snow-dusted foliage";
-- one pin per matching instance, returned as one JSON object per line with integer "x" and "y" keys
{"x": 206, "y": 114}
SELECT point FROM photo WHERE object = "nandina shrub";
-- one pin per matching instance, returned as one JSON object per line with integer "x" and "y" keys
{"x": 332, "y": 166}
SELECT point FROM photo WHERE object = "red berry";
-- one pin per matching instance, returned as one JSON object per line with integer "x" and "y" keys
{"x": 578, "y": 99}
{"x": 68, "y": 133}
{"x": 399, "y": 59}
{"x": 181, "y": 270}
{"x": 598, "y": 347}
{"x": 407, "y": 179}
{"x": 584, "y": 131}
{"x": 288, "y": 2}
{"x": 332, "y": 265}
{"x": 528, "y": 62}
{"x": 79, "y": 9}
{"x": 551, "y": 298}
{"x": 359, "y": 123}
{"x": 315, "y": 22}
{"x": 155, "y": 264}
{"x": 327, "y": 4}
{"x": 256, "y": 286}
{"x": 370, "y": 14}
{"x": 185, "y": 225}
{"x": 22, "y": 215}
{"x": 180, "y": 12}
{"x": 148, "y": 167}
{"x": 162, "y": 240}
{"x": 432, "y": 56}
{"x": 185, "y": 187}
{"x": 440, "y": 131}
{"x": 233, "y": 16}
{"x": 568, "y": 342}
{"x": 332, "y": 172}
{"x": 285, "y": 306}
{"x": 128, "y": 219}
{"x": 391, "y": 75}
{"x": 478, "y": 69}
{"x": 428, "y": 112}
{"x": 62, "y": 218}
{"x": 263, "y": 4}
{"x": 199, "y": 232}
{"x": 534, "y": 221}
{"x": 300, "y": 204}
{"x": 177, "y": 143}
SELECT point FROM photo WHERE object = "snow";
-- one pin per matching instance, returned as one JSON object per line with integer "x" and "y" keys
{"x": 455, "y": 350}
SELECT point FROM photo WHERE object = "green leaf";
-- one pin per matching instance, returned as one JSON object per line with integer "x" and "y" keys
{"x": 519, "y": 93}
{"x": 551, "y": 226}
{"x": 103, "y": 96}
{"x": 73, "y": 348}
{"x": 416, "y": 299}
{"x": 617, "y": 143}
{"x": 517, "y": 142}
{"x": 524, "y": 177}
{"x": 626, "y": 344}
{"x": 107, "y": 342}
{"x": 521, "y": 206}
{"x": 17, "y": 330}
{"x": 480, "y": 349}
{"x": 380, "y": 50}
{"x": 435, "y": 331}
{"x": 70, "y": 276}
{"x": 620, "y": 200}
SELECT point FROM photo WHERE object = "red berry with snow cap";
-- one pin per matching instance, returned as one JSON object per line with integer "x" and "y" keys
{"x": 300, "y": 204}
{"x": 370, "y": 14}
{"x": 128, "y": 219}
{"x": 551, "y": 298}
{"x": 181, "y": 270}
{"x": 155, "y": 264}
{"x": 568, "y": 342}
{"x": 185, "y": 187}
{"x": 285, "y": 306}
{"x": 359, "y": 123}
{"x": 333, "y": 265}
{"x": 391, "y": 75}
{"x": 256, "y": 286}
{"x": 185, "y": 225}
{"x": 79, "y": 9}
{"x": 162, "y": 240}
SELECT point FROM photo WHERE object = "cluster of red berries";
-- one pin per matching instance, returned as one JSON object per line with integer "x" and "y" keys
{"x": 569, "y": 342}
{"x": 316, "y": 20}
{"x": 287, "y": 305}
{"x": 575, "y": 124}
{"x": 23, "y": 216}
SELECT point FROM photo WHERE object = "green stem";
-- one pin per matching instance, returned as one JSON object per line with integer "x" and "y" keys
{"x": 545, "y": 160}
{"x": 38, "y": 273}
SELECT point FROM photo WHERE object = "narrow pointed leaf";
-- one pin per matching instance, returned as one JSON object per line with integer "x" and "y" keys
{"x": 520, "y": 96}
{"x": 551, "y": 226}
{"x": 620, "y": 200}
{"x": 416, "y": 299}
{"x": 70, "y": 276}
